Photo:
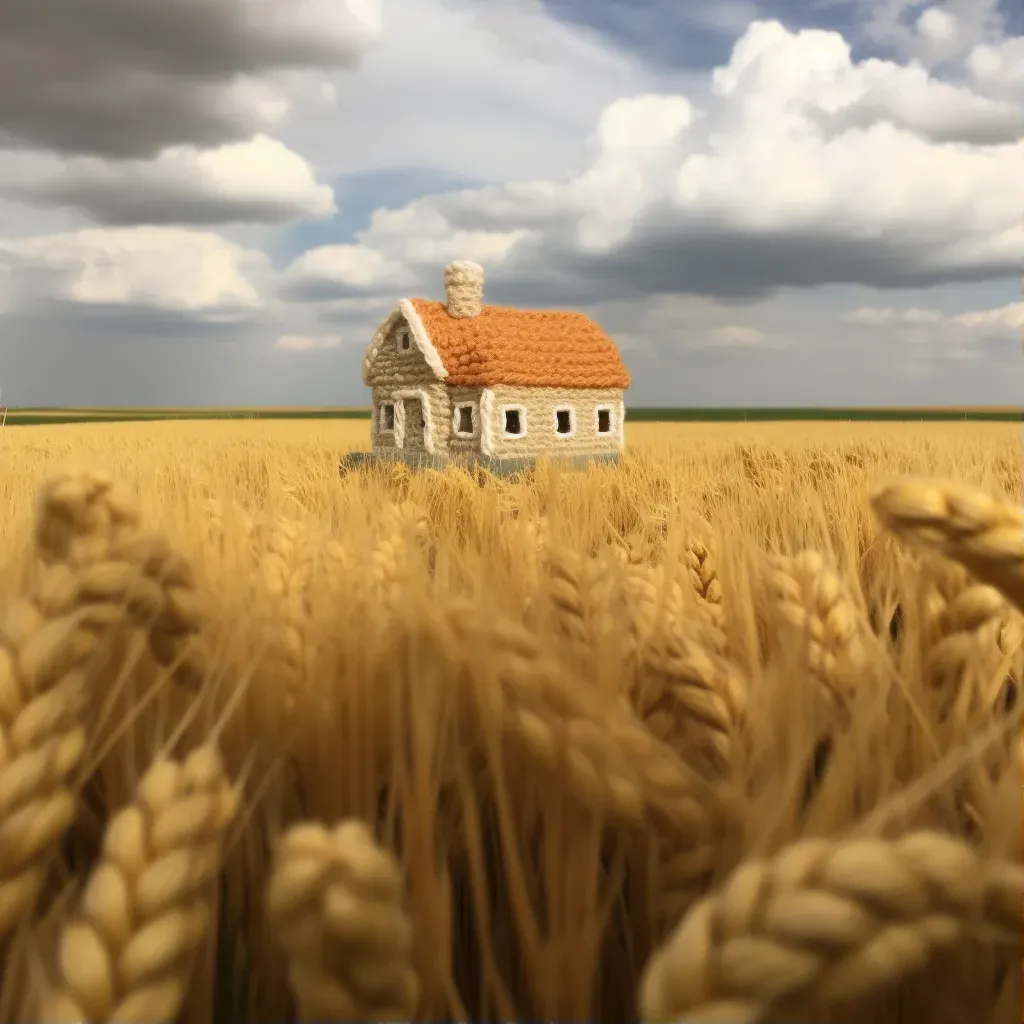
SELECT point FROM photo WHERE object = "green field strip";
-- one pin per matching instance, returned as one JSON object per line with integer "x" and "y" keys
{"x": 634, "y": 414}
{"x": 770, "y": 415}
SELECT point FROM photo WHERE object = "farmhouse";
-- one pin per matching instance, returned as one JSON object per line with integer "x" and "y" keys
{"x": 462, "y": 379}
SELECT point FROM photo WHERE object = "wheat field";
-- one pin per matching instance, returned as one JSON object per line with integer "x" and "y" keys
{"x": 729, "y": 733}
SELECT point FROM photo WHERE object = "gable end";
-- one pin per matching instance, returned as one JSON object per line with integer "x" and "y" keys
{"x": 403, "y": 313}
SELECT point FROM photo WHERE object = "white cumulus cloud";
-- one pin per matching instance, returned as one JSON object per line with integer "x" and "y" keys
{"x": 260, "y": 180}
{"x": 194, "y": 274}
{"x": 763, "y": 187}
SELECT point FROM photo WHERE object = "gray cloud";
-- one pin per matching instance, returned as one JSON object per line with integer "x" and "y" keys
{"x": 126, "y": 78}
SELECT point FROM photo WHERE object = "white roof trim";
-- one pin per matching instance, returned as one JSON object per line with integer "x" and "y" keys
{"x": 422, "y": 339}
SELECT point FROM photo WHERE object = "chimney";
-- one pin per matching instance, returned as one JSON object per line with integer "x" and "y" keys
{"x": 464, "y": 288}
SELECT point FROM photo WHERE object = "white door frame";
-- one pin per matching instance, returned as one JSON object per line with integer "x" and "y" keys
{"x": 428, "y": 421}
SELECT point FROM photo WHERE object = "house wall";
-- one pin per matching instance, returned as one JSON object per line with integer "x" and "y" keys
{"x": 393, "y": 372}
{"x": 541, "y": 437}
{"x": 457, "y": 397}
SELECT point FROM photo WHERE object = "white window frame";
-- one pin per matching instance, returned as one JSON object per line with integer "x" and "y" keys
{"x": 571, "y": 410}
{"x": 475, "y": 419}
{"x": 381, "y": 422}
{"x": 404, "y": 332}
{"x": 502, "y": 409}
{"x": 610, "y": 432}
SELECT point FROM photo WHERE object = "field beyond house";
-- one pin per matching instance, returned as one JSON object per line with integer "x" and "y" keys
{"x": 635, "y": 414}
{"x": 694, "y": 738}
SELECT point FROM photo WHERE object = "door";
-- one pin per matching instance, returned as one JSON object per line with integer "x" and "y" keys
{"x": 412, "y": 409}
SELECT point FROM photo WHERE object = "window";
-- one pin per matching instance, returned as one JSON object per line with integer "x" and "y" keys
{"x": 565, "y": 421}
{"x": 387, "y": 416}
{"x": 603, "y": 419}
{"x": 514, "y": 419}
{"x": 462, "y": 421}
{"x": 403, "y": 339}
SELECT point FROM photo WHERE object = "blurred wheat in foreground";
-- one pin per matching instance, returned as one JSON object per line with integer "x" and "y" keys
{"x": 730, "y": 733}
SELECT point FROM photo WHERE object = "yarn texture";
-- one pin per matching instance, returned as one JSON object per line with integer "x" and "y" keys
{"x": 498, "y": 360}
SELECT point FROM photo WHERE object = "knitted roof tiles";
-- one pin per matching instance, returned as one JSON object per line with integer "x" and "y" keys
{"x": 524, "y": 347}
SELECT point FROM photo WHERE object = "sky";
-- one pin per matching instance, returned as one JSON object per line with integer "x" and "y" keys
{"x": 764, "y": 202}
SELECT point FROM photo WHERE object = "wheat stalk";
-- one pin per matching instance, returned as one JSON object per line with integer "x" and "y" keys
{"x": 826, "y": 923}
{"x": 129, "y": 950}
{"x": 603, "y": 756}
{"x": 336, "y": 901}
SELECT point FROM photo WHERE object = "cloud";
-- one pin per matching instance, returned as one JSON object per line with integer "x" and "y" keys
{"x": 341, "y": 271}
{"x": 910, "y": 99}
{"x": 886, "y": 316}
{"x": 1009, "y": 316}
{"x": 471, "y": 90}
{"x": 939, "y": 33}
{"x": 306, "y": 342}
{"x": 746, "y": 195}
{"x": 127, "y": 78}
{"x": 192, "y": 275}
{"x": 998, "y": 68}
{"x": 260, "y": 180}
{"x": 737, "y": 336}
{"x": 1002, "y": 319}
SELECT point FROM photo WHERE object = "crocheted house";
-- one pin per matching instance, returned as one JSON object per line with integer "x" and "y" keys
{"x": 460, "y": 379}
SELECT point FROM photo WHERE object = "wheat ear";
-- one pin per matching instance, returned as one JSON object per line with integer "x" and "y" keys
{"x": 810, "y": 598}
{"x": 984, "y": 535}
{"x": 402, "y": 528}
{"x": 43, "y": 685}
{"x": 286, "y": 567}
{"x": 83, "y": 518}
{"x": 691, "y": 697}
{"x": 48, "y": 641}
{"x": 704, "y": 579}
{"x": 128, "y": 952}
{"x": 564, "y": 584}
{"x": 336, "y": 901}
{"x": 968, "y": 637}
{"x": 77, "y": 515}
{"x": 694, "y": 700}
{"x": 828, "y": 922}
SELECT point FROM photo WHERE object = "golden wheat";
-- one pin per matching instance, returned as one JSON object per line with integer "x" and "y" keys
{"x": 82, "y": 518}
{"x": 963, "y": 523}
{"x": 336, "y": 902}
{"x": 562, "y": 782}
{"x": 811, "y": 599}
{"x": 827, "y": 923}
{"x": 128, "y": 952}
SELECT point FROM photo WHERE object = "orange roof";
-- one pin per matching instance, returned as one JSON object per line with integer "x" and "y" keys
{"x": 525, "y": 347}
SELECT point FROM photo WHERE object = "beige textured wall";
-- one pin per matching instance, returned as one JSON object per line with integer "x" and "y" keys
{"x": 541, "y": 437}
{"x": 394, "y": 371}
{"x": 460, "y": 396}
